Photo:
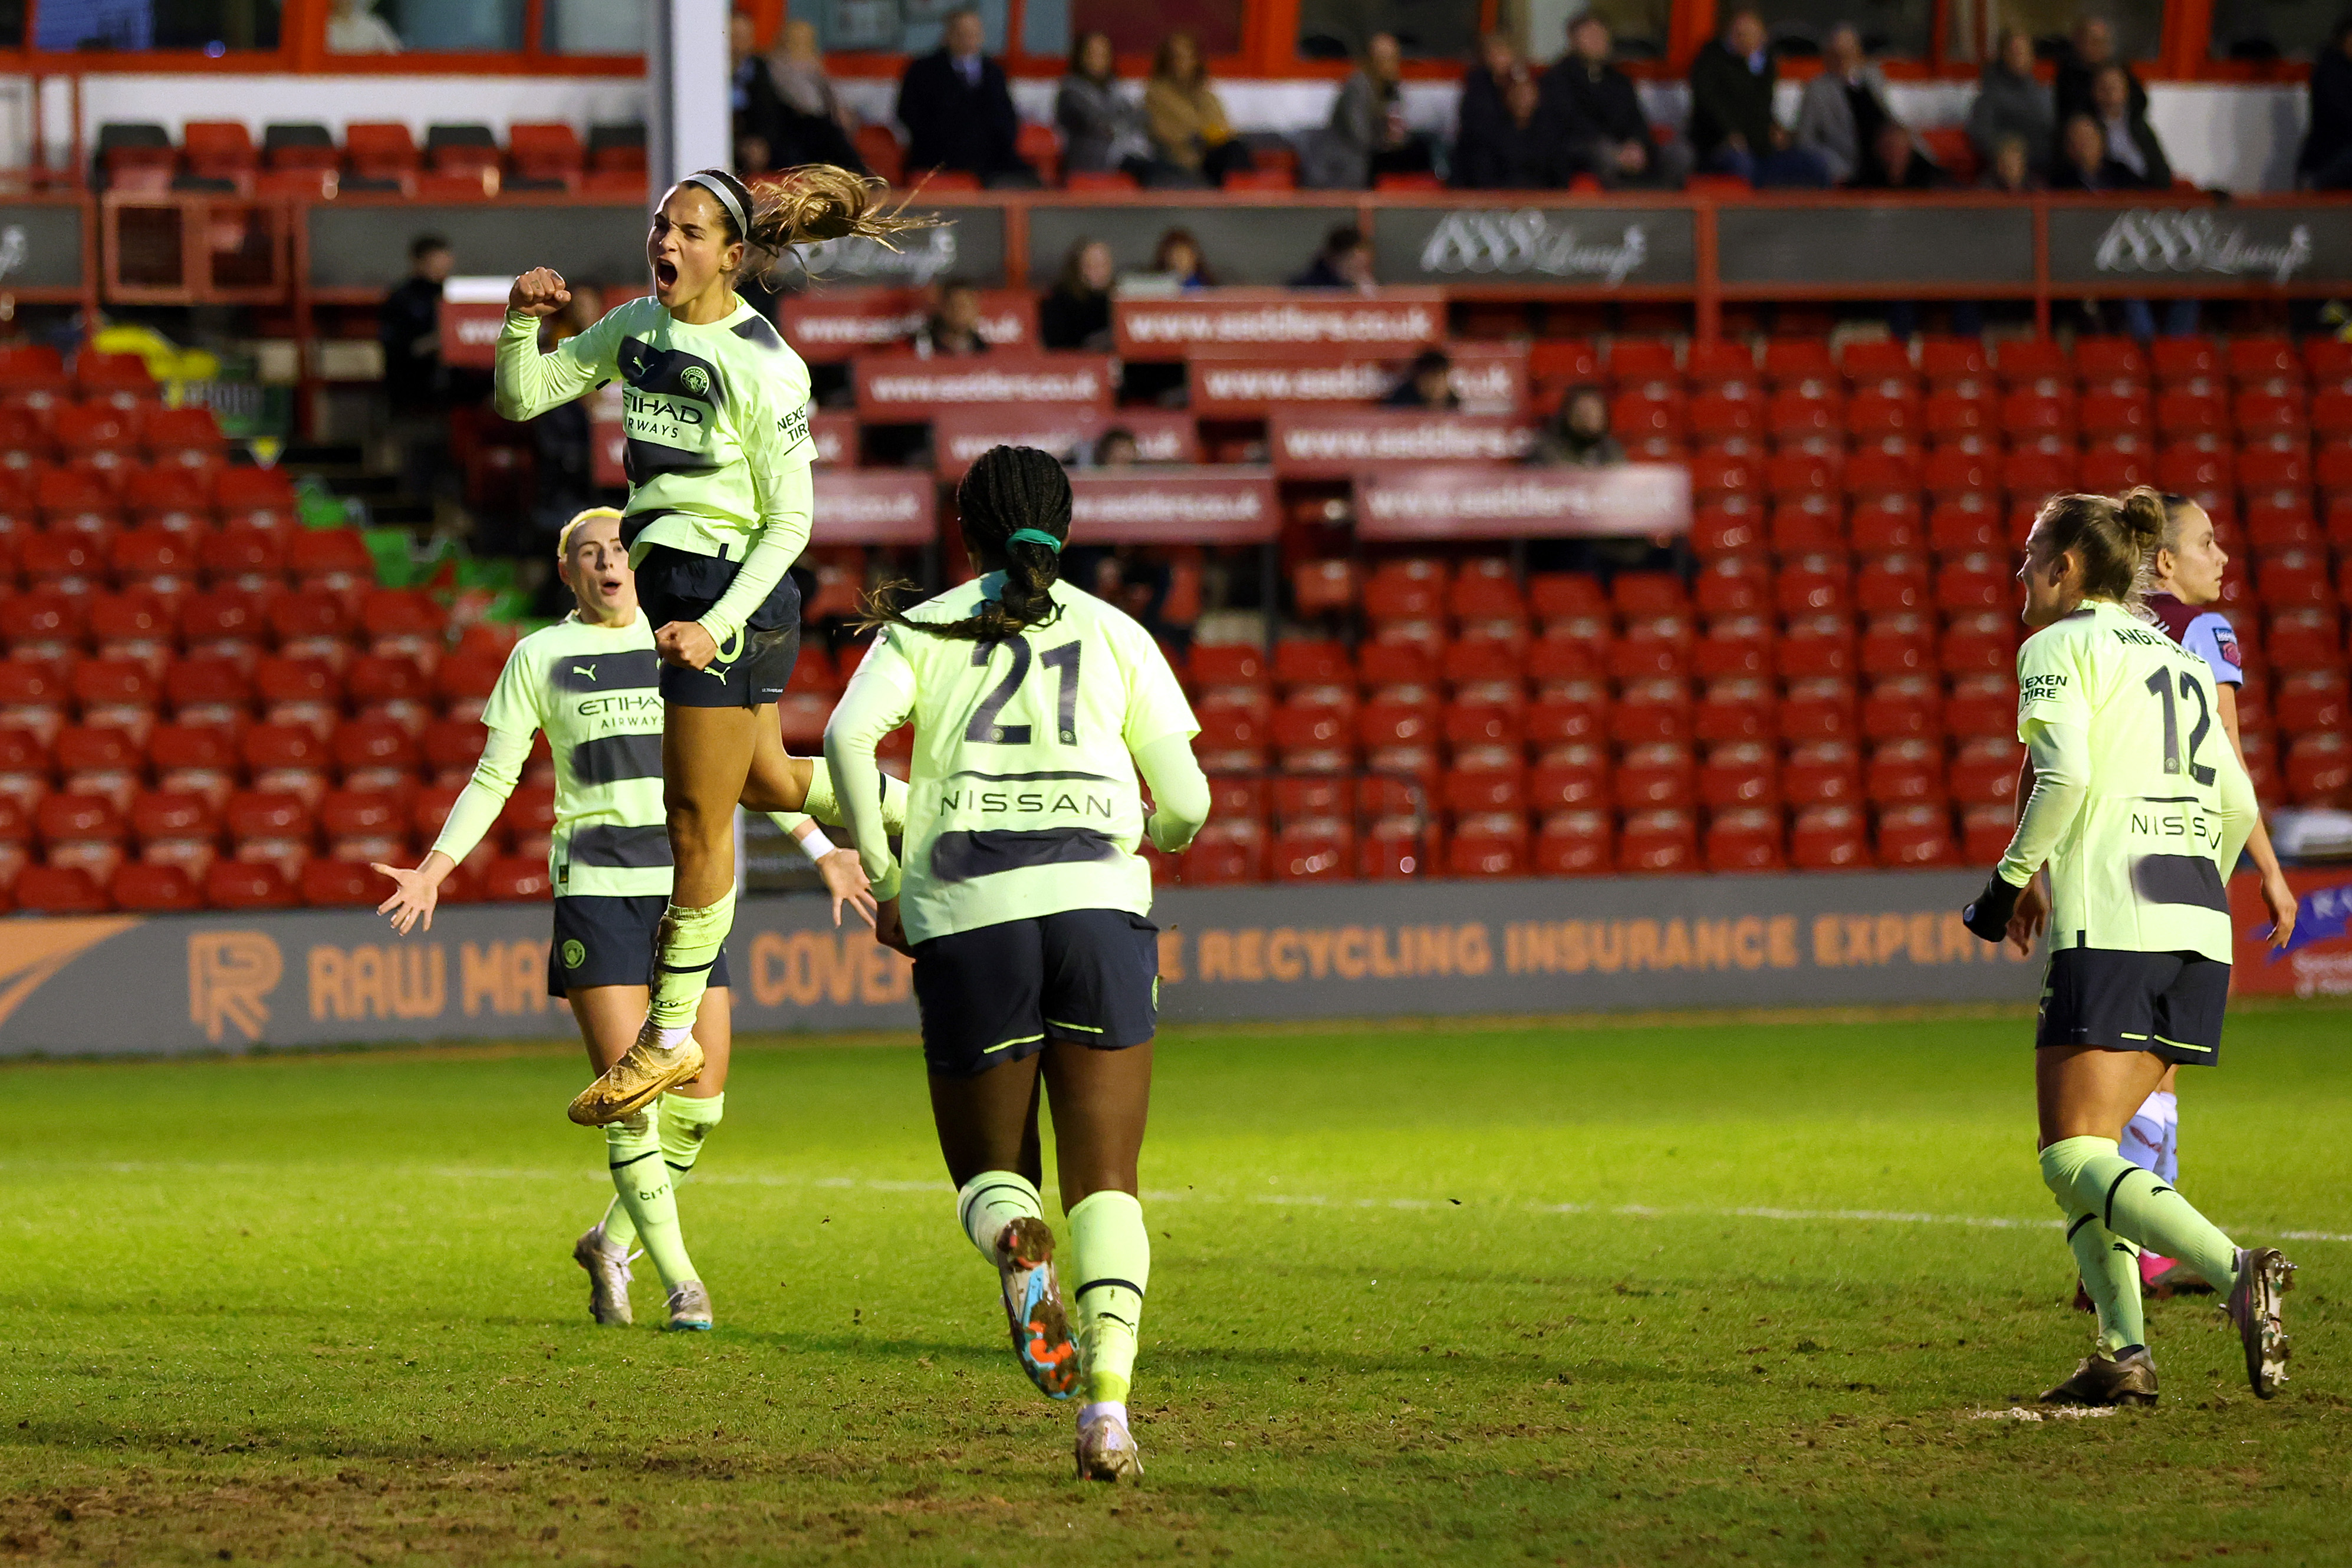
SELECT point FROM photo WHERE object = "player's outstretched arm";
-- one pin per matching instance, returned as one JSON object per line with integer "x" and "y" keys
{"x": 525, "y": 382}
{"x": 416, "y": 893}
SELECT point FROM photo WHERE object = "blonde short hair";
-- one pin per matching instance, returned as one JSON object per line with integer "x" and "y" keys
{"x": 593, "y": 514}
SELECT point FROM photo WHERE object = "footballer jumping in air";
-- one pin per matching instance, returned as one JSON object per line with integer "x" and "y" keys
{"x": 1025, "y": 909}
{"x": 588, "y": 682}
{"x": 2184, "y": 578}
{"x": 2138, "y": 805}
{"x": 716, "y": 412}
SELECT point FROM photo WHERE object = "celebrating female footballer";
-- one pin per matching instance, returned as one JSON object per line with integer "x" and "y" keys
{"x": 2184, "y": 578}
{"x": 589, "y": 682}
{"x": 1034, "y": 707}
{"x": 716, "y": 412}
{"x": 2136, "y": 811}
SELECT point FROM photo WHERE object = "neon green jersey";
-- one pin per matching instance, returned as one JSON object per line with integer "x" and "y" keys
{"x": 2143, "y": 804}
{"x": 716, "y": 419}
{"x": 1022, "y": 798}
{"x": 594, "y": 690}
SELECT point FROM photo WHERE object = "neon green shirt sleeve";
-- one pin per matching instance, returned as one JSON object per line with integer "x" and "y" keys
{"x": 880, "y": 697}
{"x": 526, "y": 383}
{"x": 2062, "y": 776}
{"x": 1179, "y": 792}
{"x": 478, "y": 805}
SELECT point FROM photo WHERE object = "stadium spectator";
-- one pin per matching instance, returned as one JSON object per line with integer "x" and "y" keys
{"x": 1732, "y": 129}
{"x": 816, "y": 126}
{"x": 1843, "y": 109}
{"x": 1523, "y": 153}
{"x": 1597, "y": 111}
{"x": 958, "y": 110}
{"x": 1895, "y": 163}
{"x": 2012, "y": 103}
{"x": 2092, "y": 48}
{"x": 2084, "y": 162}
{"x": 1427, "y": 383}
{"x": 1367, "y": 135}
{"x": 953, "y": 326}
{"x": 354, "y": 28}
{"x": 757, "y": 110}
{"x": 1179, "y": 255}
{"x": 1190, "y": 133}
{"x": 2131, "y": 141}
{"x": 1102, "y": 131}
{"x": 1077, "y": 313}
{"x": 2011, "y": 168}
{"x": 415, "y": 382}
{"x": 1115, "y": 449}
{"x": 1578, "y": 436}
{"x": 1479, "y": 114}
{"x": 1344, "y": 262}
{"x": 2324, "y": 163}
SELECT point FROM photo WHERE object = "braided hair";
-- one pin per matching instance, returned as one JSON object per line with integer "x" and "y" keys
{"x": 1012, "y": 489}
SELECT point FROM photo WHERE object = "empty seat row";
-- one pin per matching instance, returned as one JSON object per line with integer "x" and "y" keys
{"x": 304, "y": 158}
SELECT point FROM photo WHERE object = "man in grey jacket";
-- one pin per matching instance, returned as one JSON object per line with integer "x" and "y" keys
{"x": 1843, "y": 109}
{"x": 1367, "y": 135}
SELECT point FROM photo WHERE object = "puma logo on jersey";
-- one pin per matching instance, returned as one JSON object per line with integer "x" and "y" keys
{"x": 587, "y": 669}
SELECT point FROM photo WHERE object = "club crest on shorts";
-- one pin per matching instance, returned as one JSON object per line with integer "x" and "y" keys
{"x": 575, "y": 953}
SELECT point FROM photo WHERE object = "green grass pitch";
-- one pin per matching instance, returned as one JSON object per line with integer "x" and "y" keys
{"x": 1662, "y": 1291}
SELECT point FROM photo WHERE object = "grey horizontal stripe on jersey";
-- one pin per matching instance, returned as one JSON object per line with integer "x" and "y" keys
{"x": 1031, "y": 778}
{"x": 645, "y": 459}
{"x": 610, "y": 759}
{"x": 628, "y": 849}
{"x": 2180, "y": 879}
{"x": 964, "y": 857}
{"x": 626, "y": 670}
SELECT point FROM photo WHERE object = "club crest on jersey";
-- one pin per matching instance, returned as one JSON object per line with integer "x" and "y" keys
{"x": 695, "y": 380}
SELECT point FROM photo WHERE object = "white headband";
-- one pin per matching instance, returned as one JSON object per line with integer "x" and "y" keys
{"x": 726, "y": 199}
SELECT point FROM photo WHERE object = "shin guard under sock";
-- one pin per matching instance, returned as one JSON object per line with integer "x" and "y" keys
{"x": 686, "y": 947}
{"x": 1111, "y": 1251}
{"x": 2110, "y": 1270}
{"x": 2091, "y": 1177}
{"x": 643, "y": 1182}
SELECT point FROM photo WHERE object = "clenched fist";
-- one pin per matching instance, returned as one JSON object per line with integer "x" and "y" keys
{"x": 540, "y": 292}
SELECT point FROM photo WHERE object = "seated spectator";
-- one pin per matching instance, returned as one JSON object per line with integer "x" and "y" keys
{"x": 958, "y": 111}
{"x": 1368, "y": 136}
{"x": 1523, "y": 153}
{"x": 2083, "y": 164}
{"x": 1480, "y": 113}
{"x": 2011, "y": 170}
{"x": 354, "y": 28}
{"x": 1344, "y": 262}
{"x": 1844, "y": 107}
{"x": 1189, "y": 131}
{"x": 2131, "y": 141}
{"x": 2012, "y": 103}
{"x": 1732, "y": 131}
{"x": 953, "y": 327}
{"x": 757, "y": 110}
{"x": 2092, "y": 49}
{"x": 1428, "y": 383}
{"x": 1102, "y": 132}
{"x": 2324, "y": 163}
{"x": 1115, "y": 449}
{"x": 1596, "y": 110}
{"x": 1578, "y": 436}
{"x": 1895, "y": 163}
{"x": 1076, "y": 314}
{"x": 815, "y": 125}
{"x": 1178, "y": 255}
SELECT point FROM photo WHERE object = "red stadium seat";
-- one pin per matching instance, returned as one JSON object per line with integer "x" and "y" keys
{"x": 376, "y": 754}
{"x": 1916, "y": 835}
{"x": 1828, "y": 838}
{"x": 1744, "y": 840}
{"x": 156, "y": 888}
{"x": 1575, "y": 843}
{"x": 248, "y": 884}
{"x": 176, "y": 828}
{"x": 516, "y": 879}
{"x": 99, "y": 761}
{"x": 257, "y": 498}
{"x": 2036, "y": 364}
{"x": 185, "y": 437}
{"x": 361, "y": 824}
{"x": 1658, "y": 840}
{"x": 331, "y": 560}
{"x": 84, "y": 831}
{"x": 1488, "y": 846}
{"x": 195, "y": 759}
{"x": 135, "y": 626}
{"x": 390, "y": 687}
{"x": 61, "y": 890}
{"x": 223, "y": 624}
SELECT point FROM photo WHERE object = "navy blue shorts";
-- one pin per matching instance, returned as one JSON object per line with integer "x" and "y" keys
{"x": 2168, "y": 1005}
{"x": 678, "y": 585}
{"x": 607, "y": 941}
{"x": 998, "y": 993}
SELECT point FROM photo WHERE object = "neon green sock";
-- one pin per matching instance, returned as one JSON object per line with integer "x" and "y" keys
{"x": 826, "y": 807}
{"x": 686, "y": 945}
{"x": 2110, "y": 1270}
{"x": 2091, "y": 1177}
{"x": 1112, "y": 1251}
{"x": 992, "y": 1200}
{"x": 620, "y": 1230}
{"x": 684, "y": 1122}
{"x": 643, "y": 1181}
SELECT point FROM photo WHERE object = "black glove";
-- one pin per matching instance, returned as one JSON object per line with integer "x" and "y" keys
{"x": 1988, "y": 917}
